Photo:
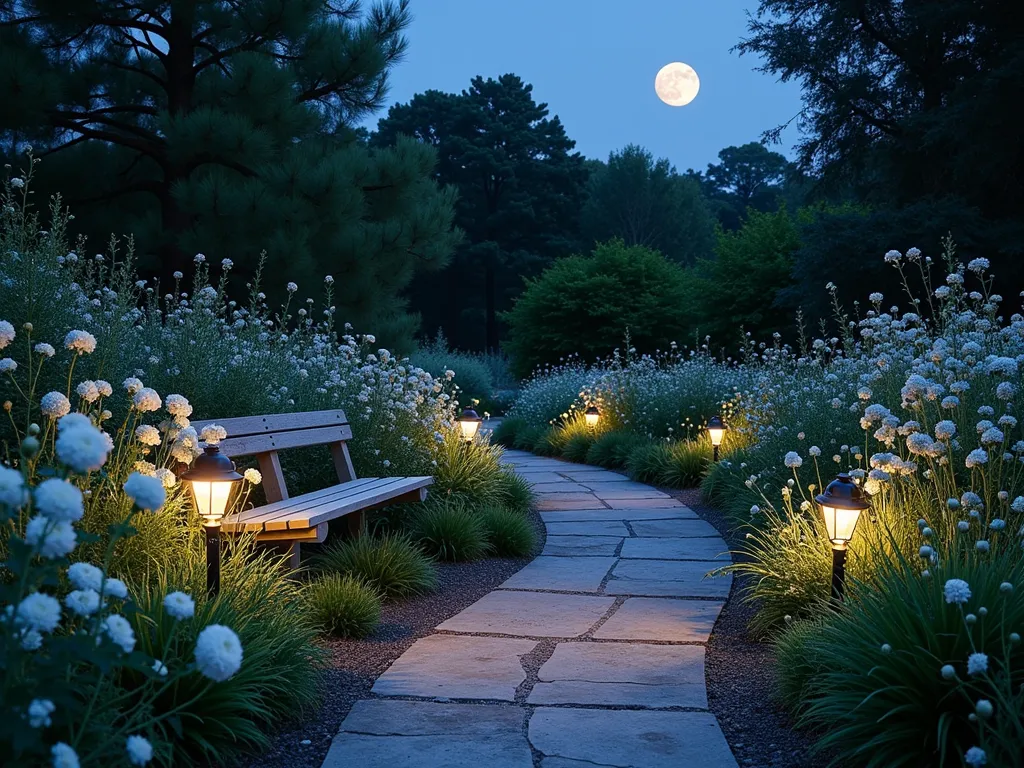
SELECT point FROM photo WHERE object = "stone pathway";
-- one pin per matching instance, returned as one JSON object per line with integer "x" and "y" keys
{"x": 592, "y": 655}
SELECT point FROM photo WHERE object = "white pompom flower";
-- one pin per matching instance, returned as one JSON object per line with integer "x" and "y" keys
{"x": 83, "y": 448}
{"x": 39, "y": 612}
{"x": 64, "y": 756}
{"x": 218, "y": 653}
{"x": 179, "y": 606}
{"x": 83, "y": 602}
{"x": 39, "y": 711}
{"x": 59, "y": 500}
{"x": 52, "y": 539}
{"x": 120, "y": 632}
{"x": 147, "y": 435}
{"x": 139, "y": 750}
{"x": 13, "y": 492}
{"x": 213, "y": 434}
{"x": 80, "y": 342}
{"x": 253, "y": 476}
{"x": 54, "y": 405}
{"x": 178, "y": 405}
{"x": 957, "y": 591}
{"x": 146, "y": 400}
{"x": 85, "y": 576}
{"x": 147, "y": 492}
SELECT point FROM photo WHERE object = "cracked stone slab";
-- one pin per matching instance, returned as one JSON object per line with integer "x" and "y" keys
{"x": 676, "y": 549}
{"x": 623, "y": 674}
{"x": 628, "y": 739}
{"x": 530, "y": 614}
{"x": 591, "y": 546}
{"x": 674, "y": 529}
{"x": 667, "y": 578}
{"x": 589, "y": 528}
{"x": 551, "y": 503}
{"x": 626, "y": 494}
{"x": 576, "y": 515}
{"x": 564, "y": 574}
{"x": 457, "y": 667}
{"x": 386, "y": 734}
{"x": 661, "y": 619}
{"x": 561, "y": 486}
{"x": 643, "y": 503}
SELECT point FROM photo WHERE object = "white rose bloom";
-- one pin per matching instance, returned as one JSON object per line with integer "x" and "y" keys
{"x": 59, "y": 500}
{"x": 218, "y": 653}
{"x": 147, "y": 492}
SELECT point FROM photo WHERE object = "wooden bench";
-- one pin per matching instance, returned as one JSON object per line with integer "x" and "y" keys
{"x": 295, "y": 519}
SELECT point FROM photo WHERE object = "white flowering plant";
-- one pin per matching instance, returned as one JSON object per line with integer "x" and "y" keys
{"x": 69, "y": 632}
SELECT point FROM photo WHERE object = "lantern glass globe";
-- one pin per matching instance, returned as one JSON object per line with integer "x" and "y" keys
{"x": 592, "y": 416}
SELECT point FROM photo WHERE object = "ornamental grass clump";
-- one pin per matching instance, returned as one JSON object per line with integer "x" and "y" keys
{"x": 509, "y": 533}
{"x": 450, "y": 531}
{"x": 342, "y": 605}
{"x": 391, "y": 563}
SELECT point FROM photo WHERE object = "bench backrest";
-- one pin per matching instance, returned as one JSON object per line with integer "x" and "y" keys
{"x": 264, "y": 436}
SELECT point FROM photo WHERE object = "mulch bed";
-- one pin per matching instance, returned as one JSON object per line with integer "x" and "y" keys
{"x": 354, "y": 665}
{"x": 741, "y": 677}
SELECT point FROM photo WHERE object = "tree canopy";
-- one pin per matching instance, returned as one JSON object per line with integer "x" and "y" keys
{"x": 229, "y": 128}
{"x": 645, "y": 202}
{"x": 520, "y": 188}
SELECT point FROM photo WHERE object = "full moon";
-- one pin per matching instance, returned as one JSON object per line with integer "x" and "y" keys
{"x": 677, "y": 84}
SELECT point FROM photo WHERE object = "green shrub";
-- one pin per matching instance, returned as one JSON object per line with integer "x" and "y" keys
{"x": 472, "y": 375}
{"x": 577, "y": 446}
{"x": 390, "y": 563}
{"x": 584, "y": 304}
{"x": 612, "y": 449}
{"x": 471, "y": 472}
{"x": 649, "y": 463}
{"x": 342, "y": 605}
{"x": 514, "y": 492}
{"x": 450, "y": 531}
{"x": 551, "y": 442}
{"x": 509, "y": 533}
{"x": 279, "y": 678}
{"x": 688, "y": 460}
{"x": 526, "y": 438}
{"x": 507, "y": 430}
{"x": 882, "y": 695}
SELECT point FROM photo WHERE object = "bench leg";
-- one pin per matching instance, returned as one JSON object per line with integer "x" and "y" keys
{"x": 355, "y": 523}
{"x": 294, "y": 556}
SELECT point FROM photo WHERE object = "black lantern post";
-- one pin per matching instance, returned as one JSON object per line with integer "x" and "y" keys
{"x": 469, "y": 423}
{"x": 716, "y": 429}
{"x": 212, "y": 477}
{"x": 841, "y": 504}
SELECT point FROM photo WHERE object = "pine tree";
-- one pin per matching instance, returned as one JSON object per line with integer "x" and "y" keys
{"x": 229, "y": 128}
{"x": 520, "y": 189}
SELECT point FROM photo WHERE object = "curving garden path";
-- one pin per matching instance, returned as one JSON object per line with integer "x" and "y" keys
{"x": 591, "y": 655}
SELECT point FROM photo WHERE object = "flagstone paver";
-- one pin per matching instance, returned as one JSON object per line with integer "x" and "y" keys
{"x": 592, "y": 546}
{"x": 458, "y": 667}
{"x": 661, "y": 619}
{"x": 562, "y": 574}
{"x": 530, "y": 614}
{"x": 620, "y": 591}
{"x": 629, "y": 738}
{"x": 675, "y": 549}
{"x": 617, "y": 674}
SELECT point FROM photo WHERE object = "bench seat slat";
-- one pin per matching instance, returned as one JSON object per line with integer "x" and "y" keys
{"x": 266, "y": 518}
{"x": 304, "y": 512}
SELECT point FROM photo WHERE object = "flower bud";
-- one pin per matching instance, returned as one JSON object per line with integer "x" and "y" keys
{"x": 33, "y": 429}
{"x": 29, "y": 447}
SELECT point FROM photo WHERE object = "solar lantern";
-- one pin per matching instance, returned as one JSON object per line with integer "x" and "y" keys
{"x": 212, "y": 477}
{"x": 841, "y": 504}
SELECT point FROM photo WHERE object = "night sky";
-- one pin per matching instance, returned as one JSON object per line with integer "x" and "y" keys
{"x": 594, "y": 63}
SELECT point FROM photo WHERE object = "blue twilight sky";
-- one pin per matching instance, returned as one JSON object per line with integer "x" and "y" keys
{"x": 594, "y": 63}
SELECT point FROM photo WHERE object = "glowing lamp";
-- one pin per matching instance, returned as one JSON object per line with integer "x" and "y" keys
{"x": 469, "y": 423}
{"x": 212, "y": 477}
{"x": 841, "y": 504}
{"x": 592, "y": 416}
{"x": 716, "y": 430}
